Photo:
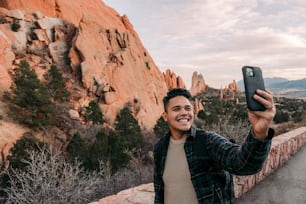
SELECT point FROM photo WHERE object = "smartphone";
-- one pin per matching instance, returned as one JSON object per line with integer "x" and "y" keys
{"x": 253, "y": 80}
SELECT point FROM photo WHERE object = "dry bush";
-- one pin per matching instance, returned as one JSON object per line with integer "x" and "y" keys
{"x": 48, "y": 178}
{"x": 235, "y": 131}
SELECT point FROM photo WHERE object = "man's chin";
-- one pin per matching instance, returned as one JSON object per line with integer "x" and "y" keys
{"x": 185, "y": 128}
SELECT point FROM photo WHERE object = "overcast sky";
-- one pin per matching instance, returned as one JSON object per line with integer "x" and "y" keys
{"x": 217, "y": 37}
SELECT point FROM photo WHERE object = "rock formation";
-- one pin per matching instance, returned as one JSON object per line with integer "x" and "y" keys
{"x": 233, "y": 86}
{"x": 172, "y": 80}
{"x": 228, "y": 93}
{"x": 98, "y": 51}
{"x": 197, "y": 84}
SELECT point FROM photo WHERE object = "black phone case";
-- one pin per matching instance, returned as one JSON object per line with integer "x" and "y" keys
{"x": 251, "y": 84}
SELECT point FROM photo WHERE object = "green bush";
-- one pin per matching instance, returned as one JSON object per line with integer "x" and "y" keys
{"x": 108, "y": 147}
{"x": 19, "y": 152}
{"x": 31, "y": 98}
{"x": 161, "y": 127}
{"x": 77, "y": 149}
{"x": 94, "y": 113}
{"x": 15, "y": 25}
{"x": 281, "y": 116}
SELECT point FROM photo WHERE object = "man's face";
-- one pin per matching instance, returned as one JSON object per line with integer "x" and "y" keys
{"x": 179, "y": 115}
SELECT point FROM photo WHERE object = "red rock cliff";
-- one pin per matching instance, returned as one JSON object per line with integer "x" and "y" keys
{"x": 99, "y": 44}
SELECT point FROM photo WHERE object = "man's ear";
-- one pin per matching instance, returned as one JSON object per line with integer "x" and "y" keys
{"x": 165, "y": 116}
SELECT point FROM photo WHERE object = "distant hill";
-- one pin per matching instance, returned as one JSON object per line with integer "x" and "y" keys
{"x": 283, "y": 87}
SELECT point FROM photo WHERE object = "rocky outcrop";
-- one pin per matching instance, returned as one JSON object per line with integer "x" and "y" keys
{"x": 140, "y": 194}
{"x": 197, "y": 84}
{"x": 229, "y": 93}
{"x": 233, "y": 86}
{"x": 172, "y": 80}
{"x": 98, "y": 51}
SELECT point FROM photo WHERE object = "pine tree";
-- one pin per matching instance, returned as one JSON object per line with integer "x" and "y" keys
{"x": 34, "y": 106}
{"x": 98, "y": 151}
{"x": 117, "y": 154}
{"x": 93, "y": 113}
{"x": 56, "y": 84}
{"x": 160, "y": 128}
{"x": 128, "y": 129}
{"x": 77, "y": 148}
{"x": 20, "y": 151}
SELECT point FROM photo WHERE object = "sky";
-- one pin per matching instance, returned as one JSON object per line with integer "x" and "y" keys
{"x": 217, "y": 37}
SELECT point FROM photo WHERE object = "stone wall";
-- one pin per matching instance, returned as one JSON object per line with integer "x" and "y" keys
{"x": 283, "y": 147}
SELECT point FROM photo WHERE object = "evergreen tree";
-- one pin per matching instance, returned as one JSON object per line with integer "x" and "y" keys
{"x": 160, "y": 128}
{"x": 117, "y": 154}
{"x": 31, "y": 97}
{"x": 77, "y": 148}
{"x": 94, "y": 113}
{"x": 98, "y": 151}
{"x": 128, "y": 129}
{"x": 20, "y": 151}
{"x": 56, "y": 84}
{"x": 201, "y": 114}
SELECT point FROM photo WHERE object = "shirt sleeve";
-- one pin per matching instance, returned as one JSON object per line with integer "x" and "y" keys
{"x": 244, "y": 159}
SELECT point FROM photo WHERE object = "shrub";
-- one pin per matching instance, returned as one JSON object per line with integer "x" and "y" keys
{"x": 201, "y": 114}
{"x": 93, "y": 113}
{"x": 15, "y": 25}
{"x": 232, "y": 131}
{"x": 281, "y": 116}
{"x": 19, "y": 152}
{"x": 49, "y": 179}
{"x": 160, "y": 128}
{"x": 17, "y": 157}
{"x": 77, "y": 148}
{"x": 108, "y": 147}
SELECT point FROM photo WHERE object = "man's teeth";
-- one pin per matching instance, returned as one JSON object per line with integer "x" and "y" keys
{"x": 183, "y": 120}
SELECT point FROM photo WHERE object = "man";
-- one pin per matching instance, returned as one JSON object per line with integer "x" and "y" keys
{"x": 192, "y": 166}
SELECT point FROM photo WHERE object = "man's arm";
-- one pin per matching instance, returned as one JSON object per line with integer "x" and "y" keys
{"x": 248, "y": 158}
{"x": 240, "y": 160}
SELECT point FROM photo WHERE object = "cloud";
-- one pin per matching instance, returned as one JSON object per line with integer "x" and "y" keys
{"x": 216, "y": 37}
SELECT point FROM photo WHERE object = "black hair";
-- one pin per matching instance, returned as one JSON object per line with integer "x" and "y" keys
{"x": 175, "y": 92}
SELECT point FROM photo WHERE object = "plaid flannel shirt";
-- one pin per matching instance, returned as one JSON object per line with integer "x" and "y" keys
{"x": 211, "y": 173}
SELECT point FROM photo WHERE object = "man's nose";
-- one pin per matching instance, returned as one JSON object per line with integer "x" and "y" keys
{"x": 184, "y": 112}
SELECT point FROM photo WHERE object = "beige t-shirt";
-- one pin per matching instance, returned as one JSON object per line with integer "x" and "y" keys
{"x": 178, "y": 188}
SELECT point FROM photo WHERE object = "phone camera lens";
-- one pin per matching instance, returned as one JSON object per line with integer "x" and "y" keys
{"x": 249, "y": 72}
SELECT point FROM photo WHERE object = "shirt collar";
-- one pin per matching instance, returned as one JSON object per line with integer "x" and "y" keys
{"x": 193, "y": 131}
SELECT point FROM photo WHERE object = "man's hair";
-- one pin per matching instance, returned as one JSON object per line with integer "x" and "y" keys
{"x": 175, "y": 92}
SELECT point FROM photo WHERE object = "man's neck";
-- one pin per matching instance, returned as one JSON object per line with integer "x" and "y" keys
{"x": 178, "y": 135}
